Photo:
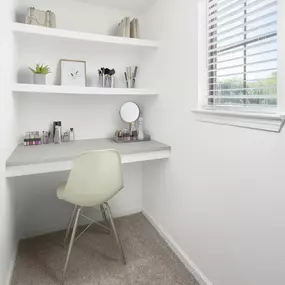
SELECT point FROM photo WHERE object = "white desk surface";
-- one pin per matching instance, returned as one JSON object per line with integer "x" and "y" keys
{"x": 27, "y": 160}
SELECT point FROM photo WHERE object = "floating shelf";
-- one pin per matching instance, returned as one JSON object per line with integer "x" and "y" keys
{"x": 20, "y": 29}
{"x": 56, "y": 89}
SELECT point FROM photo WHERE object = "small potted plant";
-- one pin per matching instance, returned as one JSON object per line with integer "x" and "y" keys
{"x": 40, "y": 72}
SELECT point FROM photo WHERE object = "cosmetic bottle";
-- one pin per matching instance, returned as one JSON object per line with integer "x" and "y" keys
{"x": 71, "y": 134}
{"x": 140, "y": 129}
{"x": 57, "y": 135}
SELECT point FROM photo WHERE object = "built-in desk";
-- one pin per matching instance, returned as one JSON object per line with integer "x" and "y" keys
{"x": 27, "y": 160}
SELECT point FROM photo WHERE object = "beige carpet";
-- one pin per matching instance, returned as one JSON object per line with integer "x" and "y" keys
{"x": 95, "y": 258}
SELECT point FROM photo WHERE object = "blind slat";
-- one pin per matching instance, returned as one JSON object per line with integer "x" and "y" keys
{"x": 243, "y": 65}
{"x": 241, "y": 43}
{"x": 241, "y": 73}
{"x": 243, "y": 97}
{"x": 243, "y": 8}
{"x": 242, "y": 82}
{"x": 212, "y": 25}
{"x": 244, "y": 57}
{"x": 248, "y": 48}
{"x": 244, "y": 25}
{"x": 260, "y": 27}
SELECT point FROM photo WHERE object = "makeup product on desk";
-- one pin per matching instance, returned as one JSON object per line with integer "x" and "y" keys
{"x": 57, "y": 135}
{"x": 125, "y": 136}
{"x": 130, "y": 113}
{"x": 133, "y": 132}
{"x": 140, "y": 129}
{"x": 65, "y": 137}
{"x": 55, "y": 125}
{"x": 32, "y": 138}
{"x": 45, "y": 137}
{"x": 71, "y": 134}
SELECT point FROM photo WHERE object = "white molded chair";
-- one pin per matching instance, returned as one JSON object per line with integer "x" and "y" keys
{"x": 95, "y": 178}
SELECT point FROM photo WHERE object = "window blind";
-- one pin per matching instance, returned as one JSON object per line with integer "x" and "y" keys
{"x": 242, "y": 53}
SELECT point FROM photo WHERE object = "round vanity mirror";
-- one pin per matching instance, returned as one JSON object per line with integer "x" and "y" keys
{"x": 130, "y": 112}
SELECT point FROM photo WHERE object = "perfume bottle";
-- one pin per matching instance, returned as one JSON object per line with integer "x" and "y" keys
{"x": 140, "y": 129}
{"x": 133, "y": 132}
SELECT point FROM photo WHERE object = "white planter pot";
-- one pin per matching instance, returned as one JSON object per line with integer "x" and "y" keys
{"x": 40, "y": 79}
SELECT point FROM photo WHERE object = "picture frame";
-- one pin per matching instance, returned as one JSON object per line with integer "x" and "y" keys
{"x": 73, "y": 73}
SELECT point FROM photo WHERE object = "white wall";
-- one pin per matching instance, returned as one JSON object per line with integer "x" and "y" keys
{"x": 8, "y": 238}
{"x": 37, "y": 209}
{"x": 91, "y": 117}
{"x": 221, "y": 195}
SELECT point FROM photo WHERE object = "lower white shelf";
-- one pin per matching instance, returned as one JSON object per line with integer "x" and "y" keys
{"x": 57, "y": 89}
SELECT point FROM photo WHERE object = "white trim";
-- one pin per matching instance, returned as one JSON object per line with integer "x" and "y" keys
{"x": 125, "y": 212}
{"x": 12, "y": 265}
{"x": 189, "y": 264}
{"x": 23, "y": 170}
{"x": 256, "y": 121}
{"x": 281, "y": 55}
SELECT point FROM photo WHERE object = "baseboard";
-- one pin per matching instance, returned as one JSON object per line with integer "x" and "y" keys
{"x": 126, "y": 212}
{"x": 189, "y": 264}
{"x": 12, "y": 266}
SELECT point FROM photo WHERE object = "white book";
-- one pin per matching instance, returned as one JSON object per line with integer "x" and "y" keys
{"x": 119, "y": 30}
{"x": 118, "y": 33}
{"x": 127, "y": 27}
{"x": 138, "y": 34}
{"x": 123, "y": 28}
{"x": 133, "y": 29}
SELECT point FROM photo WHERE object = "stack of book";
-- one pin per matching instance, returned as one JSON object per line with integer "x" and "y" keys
{"x": 128, "y": 28}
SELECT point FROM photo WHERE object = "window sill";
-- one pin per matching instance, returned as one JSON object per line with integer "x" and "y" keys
{"x": 256, "y": 121}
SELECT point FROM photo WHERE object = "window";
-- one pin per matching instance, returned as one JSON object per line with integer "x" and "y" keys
{"x": 242, "y": 54}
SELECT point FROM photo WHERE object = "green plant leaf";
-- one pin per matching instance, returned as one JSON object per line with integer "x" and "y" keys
{"x": 41, "y": 69}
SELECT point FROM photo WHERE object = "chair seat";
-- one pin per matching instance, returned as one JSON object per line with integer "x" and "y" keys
{"x": 76, "y": 198}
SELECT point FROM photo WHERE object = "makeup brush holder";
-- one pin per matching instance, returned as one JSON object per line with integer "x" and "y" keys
{"x": 131, "y": 83}
{"x": 130, "y": 76}
{"x": 107, "y": 81}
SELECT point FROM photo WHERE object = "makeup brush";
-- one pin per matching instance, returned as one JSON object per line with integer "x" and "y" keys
{"x": 134, "y": 77}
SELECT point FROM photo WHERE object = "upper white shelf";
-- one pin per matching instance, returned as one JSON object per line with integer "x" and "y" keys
{"x": 56, "y": 89}
{"x": 20, "y": 29}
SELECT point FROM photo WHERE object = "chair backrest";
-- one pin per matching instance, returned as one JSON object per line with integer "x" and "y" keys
{"x": 95, "y": 177}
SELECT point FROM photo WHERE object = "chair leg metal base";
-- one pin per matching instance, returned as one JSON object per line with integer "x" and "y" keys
{"x": 71, "y": 221}
{"x": 74, "y": 223}
{"x": 123, "y": 257}
{"x": 104, "y": 216}
{"x": 78, "y": 211}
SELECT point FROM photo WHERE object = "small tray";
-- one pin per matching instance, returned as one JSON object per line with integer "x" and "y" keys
{"x": 146, "y": 139}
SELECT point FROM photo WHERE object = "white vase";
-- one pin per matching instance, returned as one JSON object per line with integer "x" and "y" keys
{"x": 40, "y": 79}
